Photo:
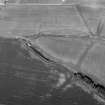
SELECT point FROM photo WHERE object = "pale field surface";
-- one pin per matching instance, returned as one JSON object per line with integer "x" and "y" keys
{"x": 67, "y": 50}
{"x": 94, "y": 62}
{"x": 48, "y": 1}
{"x": 36, "y": 1}
{"x": 42, "y": 1}
{"x": 91, "y": 3}
{"x": 31, "y": 19}
{"x": 93, "y": 16}
{"x": 87, "y": 2}
{"x": 12, "y": 1}
{"x": 82, "y": 1}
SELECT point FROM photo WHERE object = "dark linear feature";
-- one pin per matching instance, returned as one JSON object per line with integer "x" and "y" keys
{"x": 99, "y": 88}
{"x": 88, "y": 80}
{"x": 40, "y": 54}
{"x": 79, "y": 75}
{"x": 29, "y": 44}
{"x": 85, "y": 78}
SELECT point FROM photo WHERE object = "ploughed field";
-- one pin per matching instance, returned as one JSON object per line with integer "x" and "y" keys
{"x": 63, "y": 54}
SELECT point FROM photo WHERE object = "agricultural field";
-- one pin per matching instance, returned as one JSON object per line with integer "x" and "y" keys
{"x": 25, "y": 19}
{"x": 51, "y": 44}
{"x": 28, "y": 19}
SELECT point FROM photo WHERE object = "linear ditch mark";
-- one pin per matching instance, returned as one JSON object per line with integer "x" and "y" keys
{"x": 29, "y": 45}
{"x": 100, "y": 89}
{"x": 85, "y": 78}
{"x": 83, "y": 56}
{"x": 73, "y": 36}
{"x": 40, "y": 54}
